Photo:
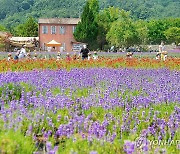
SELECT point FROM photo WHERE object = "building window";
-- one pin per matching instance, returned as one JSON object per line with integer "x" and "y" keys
{"x": 44, "y": 47}
{"x": 74, "y": 28}
{"x": 62, "y": 30}
{"x": 44, "y": 29}
{"x": 53, "y": 29}
{"x": 64, "y": 46}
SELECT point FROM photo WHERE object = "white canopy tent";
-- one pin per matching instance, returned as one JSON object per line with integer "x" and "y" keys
{"x": 53, "y": 43}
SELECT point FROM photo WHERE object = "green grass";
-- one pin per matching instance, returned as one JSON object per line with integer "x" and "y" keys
{"x": 15, "y": 142}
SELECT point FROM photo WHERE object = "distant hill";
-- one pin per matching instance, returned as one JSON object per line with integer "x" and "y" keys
{"x": 13, "y": 12}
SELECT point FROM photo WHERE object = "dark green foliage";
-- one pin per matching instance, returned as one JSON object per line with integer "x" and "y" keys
{"x": 28, "y": 29}
{"x": 123, "y": 32}
{"x": 2, "y": 28}
{"x": 13, "y": 12}
{"x": 105, "y": 19}
{"x": 173, "y": 35}
{"x": 87, "y": 29}
{"x": 157, "y": 28}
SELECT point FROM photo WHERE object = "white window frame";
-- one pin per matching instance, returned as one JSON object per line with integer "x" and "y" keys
{"x": 64, "y": 46}
{"x": 45, "y": 29}
{"x": 73, "y": 28}
{"x": 62, "y": 29}
{"x": 53, "y": 29}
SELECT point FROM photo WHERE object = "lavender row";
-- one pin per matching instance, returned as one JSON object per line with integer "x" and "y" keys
{"x": 95, "y": 107}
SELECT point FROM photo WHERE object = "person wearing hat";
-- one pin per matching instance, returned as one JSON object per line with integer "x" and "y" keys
{"x": 129, "y": 55}
{"x": 9, "y": 56}
{"x": 68, "y": 57}
{"x": 28, "y": 56}
{"x": 75, "y": 56}
{"x": 95, "y": 56}
{"x": 58, "y": 56}
{"x": 158, "y": 56}
{"x": 35, "y": 56}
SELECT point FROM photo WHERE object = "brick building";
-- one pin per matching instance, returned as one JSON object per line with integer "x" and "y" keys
{"x": 58, "y": 29}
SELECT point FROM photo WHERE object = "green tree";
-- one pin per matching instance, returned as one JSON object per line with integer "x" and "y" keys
{"x": 2, "y": 28}
{"x": 28, "y": 29}
{"x": 94, "y": 6}
{"x": 105, "y": 19}
{"x": 173, "y": 34}
{"x": 123, "y": 32}
{"x": 31, "y": 27}
{"x": 142, "y": 30}
{"x": 107, "y": 16}
{"x": 157, "y": 28}
{"x": 19, "y": 31}
{"x": 87, "y": 29}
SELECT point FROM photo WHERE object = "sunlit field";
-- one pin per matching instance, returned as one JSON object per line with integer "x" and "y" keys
{"x": 106, "y": 106}
{"x": 89, "y": 77}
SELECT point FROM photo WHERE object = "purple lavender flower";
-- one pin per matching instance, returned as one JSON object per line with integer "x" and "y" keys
{"x": 129, "y": 147}
{"x": 93, "y": 152}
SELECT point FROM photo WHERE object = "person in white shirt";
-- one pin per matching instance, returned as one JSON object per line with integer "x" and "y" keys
{"x": 58, "y": 56}
{"x": 89, "y": 56}
{"x": 22, "y": 53}
{"x": 161, "y": 47}
{"x": 95, "y": 56}
{"x": 161, "y": 50}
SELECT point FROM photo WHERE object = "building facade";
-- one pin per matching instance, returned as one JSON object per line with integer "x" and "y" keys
{"x": 59, "y": 29}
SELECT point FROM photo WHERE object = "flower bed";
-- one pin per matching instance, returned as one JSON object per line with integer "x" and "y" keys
{"x": 148, "y": 63}
{"x": 95, "y": 110}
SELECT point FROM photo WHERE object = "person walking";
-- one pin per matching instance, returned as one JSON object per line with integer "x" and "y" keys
{"x": 161, "y": 47}
{"x": 161, "y": 50}
{"x": 84, "y": 52}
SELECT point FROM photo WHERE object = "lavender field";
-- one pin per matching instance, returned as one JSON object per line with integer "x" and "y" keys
{"x": 96, "y": 111}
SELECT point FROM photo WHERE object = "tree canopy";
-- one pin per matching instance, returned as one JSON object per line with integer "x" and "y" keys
{"x": 87, "y": 29}
{"x": 28, "y": 29}
{"x": 123, "y": 32}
